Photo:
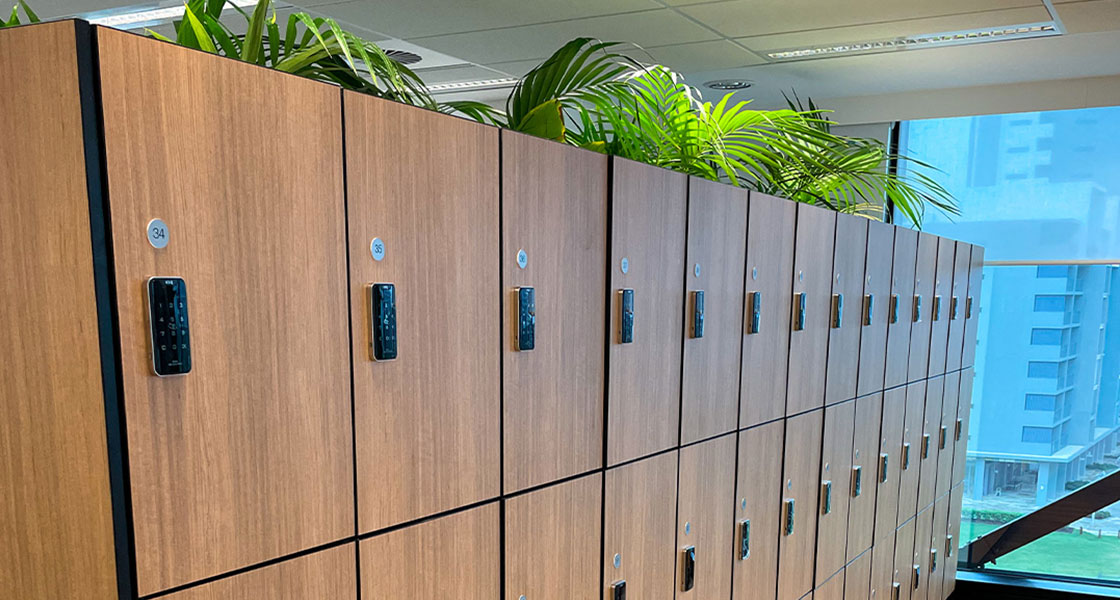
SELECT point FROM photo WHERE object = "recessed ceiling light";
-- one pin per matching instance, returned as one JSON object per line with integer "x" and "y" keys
{"x": 481, "y": 84}
{"x": 929, "y": 40}
{"x": 729, "y": 84}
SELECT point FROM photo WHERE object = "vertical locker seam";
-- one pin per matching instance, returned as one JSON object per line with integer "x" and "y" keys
{"x": 501, "y": 370}
{"x": 606, "y": 379}
{"x": 739, "y": 411}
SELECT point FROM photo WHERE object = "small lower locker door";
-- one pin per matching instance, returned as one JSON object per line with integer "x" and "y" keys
{"x": 639, "y": 523}
{"x": 800, "y": 487}
{"x": 705, "y": 536}
{"x": 758, "y": 512}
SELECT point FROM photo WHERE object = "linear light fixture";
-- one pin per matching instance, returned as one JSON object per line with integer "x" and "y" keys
{"x": 951, "y": 38}
{"x": 147, "y": 16}
{"x": 481, "y": 84}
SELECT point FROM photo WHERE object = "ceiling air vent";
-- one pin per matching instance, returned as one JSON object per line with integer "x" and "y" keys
{"x": 403, "y": 56}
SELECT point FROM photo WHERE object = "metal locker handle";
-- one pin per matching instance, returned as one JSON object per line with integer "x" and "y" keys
{"x": 857, "y": 481}
{"x": 799, "y": 317}
{"x": 884, "y": 460}
{"x": 917, "y": 575}
{"x": 918, "y": 308}
{"x": 906, "y": 456}
{"x": 688, "y": 567}
{"x": 953, "y": 304}
{"x": 894, "y": 309}
{"x": 788, "y": 507}
{"x": 744, "y": 539}
{"x": 948, "y": 546}
{"x": 868, "y": 309}
{"x": 826, "y": 497}
{"x": 754, "y": 324}
{"x": 960, "y": 428}
{"x": 896, "y": 590}
{"x": 942, "y": 438}
{"x": 837, "y": 311}
{"x": 925, "y": 446}
{"x": 933, "y": 561}
{"x": 937, "y": 308}
{"x": 968, "y": 308}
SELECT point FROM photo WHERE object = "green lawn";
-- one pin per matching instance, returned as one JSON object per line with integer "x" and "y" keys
{"x": 1060, "y": 554}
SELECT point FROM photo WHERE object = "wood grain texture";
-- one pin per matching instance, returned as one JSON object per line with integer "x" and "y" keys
{"x": 812, "y": 276}
{"x": 972, "y": 324}
{"x": 56, "y": 518}
{"x": 717, "y": 242}
{"x": 457, "y": 556}
{"x": 705, "y": 505}
{"x": 759, "y": 500}
{"x": 904, "y": 559}
{"x": 833, "y": 589}
{"x": 953, "y": 540}
{"x": 931, "y": 426}
{"x": 427, "y": 423}
{"x": 771, "y": 230}
{"x": 857, "y": 577}
{"x": 921, "y": 327}
{"x": 649, "y": 208}
{"x": 553, "y": 538}
{"x": 890, "y": 438}
{"x": 850, "y": 255}
{"x": 948, "y": 425}
{"x": 836, "y": 468}
{"x": 964, "y": 411}
{"x": 902, "y": 287}
{"x": 554, "y": 206}
{"x": 937, "y": 563}
{"x": 877, "y": 283}
{"x": 801, "y": 483}
{"x": 923, "y": 530}
{"x": 943, "y": 289}
{"x": 639, "y": 524}
{"x": 326, "y": 575}
{"x": 912, "y": 435}
{"x": 954, "y": 353}
{"x": 882, "y": 568}
{"x": 865, "y": 455}
{"x": 248, "y": 457}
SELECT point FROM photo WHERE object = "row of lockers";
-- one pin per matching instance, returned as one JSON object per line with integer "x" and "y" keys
{"x": 746, "y": 309}
{"x": 849, "y": 502}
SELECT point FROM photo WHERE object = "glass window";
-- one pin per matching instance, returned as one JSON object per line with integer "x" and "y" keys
{"x": 1038, "y": 435}
{"x": 1040, "y": 402}
{"x": 1046, "y": 337}
{"x": 1049, "y": 303}
{"x": 1045, "y": 370}
{"x": 1053, "y": 271}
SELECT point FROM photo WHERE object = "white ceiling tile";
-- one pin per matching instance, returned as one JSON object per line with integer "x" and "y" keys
{"x": 651, "y": 28}
{"x": 1091, "y": 16}
{"x": 517, "y": 68}
{"x": 458, "y": 74}
{"x": 422, "y": 18}
{"x": 743, "y": 18}
{"x": 703, "y": 56}
{"x": 878, "y": 31}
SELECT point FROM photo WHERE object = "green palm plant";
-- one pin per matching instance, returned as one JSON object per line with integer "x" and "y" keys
{"x": 14, "y": 19}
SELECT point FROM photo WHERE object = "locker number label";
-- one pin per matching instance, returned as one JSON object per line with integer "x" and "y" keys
{"x": 157, "y": 233}
{"x": 377, "y": 249}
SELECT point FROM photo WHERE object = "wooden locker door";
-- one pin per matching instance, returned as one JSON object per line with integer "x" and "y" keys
{"x": 920, "y": 307}
{"x": 705, "y": 508}
{"x": 326, "y": 575}
{"x": 923, "y": 530}
{"x": 960, "y": 427}
{"x": 946, "y": 445}
{"x": 759, "y": 485}
{"x": 910, "y": 458}
{"x": 554, "y": 215}
{"x": 456, "y": 556}
{"x": 935, "y": 558}
{"x": 846, "y": 312}
{"x": 639, "y": 523}
{"x": 900, "y": 309}
{"x": 769, "y": 289}
{"x": 863, "y": 481}
{"x": 876, "y": 307}
{"x": 649, "y": 208}
{"x": 890, "y": 448}
{"x": 717, "y": 246}
{"x": 972, "y": 305}
{"x": 927, "y": 443}
{"x": 56, "y": 519}
{"x": 905, "y": 577}
{"x": 553, "y": 541}
{"x": 833, "y": 589}
{"x": 835, "y": 486}
{"x": 953, "y": 540}
{"x": 882, "y": 568}
{"x": 940, "y": 311}
{"x": 427, "y": 423}
{"x": 812, "y": 283}
{"x": 800, "y": 486}
{"x": 954, "y": 352}
{"x": 252, "y": 449}
{"x": 857, "y": 577}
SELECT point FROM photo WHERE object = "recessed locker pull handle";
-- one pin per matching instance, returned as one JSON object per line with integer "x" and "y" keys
{"x": 744, "y": 539}
{"x": 953, "y": 308}
{"x": 906, "y": 456}
{"x": 925, "y": 446}
{"x": 383, "y": 308}
{"x": 526, "y": 319}
{"x": 837, "y": 311}
{"x": 943, "y": 437}
{"x": 968, "y": 308}
{"x": 618, "y": 590}
{"x": 937, "y": 308}
{"x": 959, "y": 430}
{"x": 755, "y": 322}
{"x": 896, "y": 590}
{"x": 868, "y": 310}
{"x": 688, "y": 569}
{"x": 917, "y": 576}
{"x": 948, "y": 546}
{"x": 626, "y": 318}
{"x": 170, "y": 326}
{"x": 933, "y": 561}
{"x": 918, "y": 308}
{"x": 787, "y": 508}
{"x": 698, "y": 314}
{"x": 894, "y": 309}
{"x": 799, "y": 311}
{"x": 857, "y": 481}
{"x": 884, "y": 461}
{"x": 826, "y": 497}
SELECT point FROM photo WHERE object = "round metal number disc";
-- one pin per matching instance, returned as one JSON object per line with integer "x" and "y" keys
{"x": 522, "y": 258}
{"x": 157, "y": 233}
{"x": 625, "y": 265}
{"x": 377, "y": 249}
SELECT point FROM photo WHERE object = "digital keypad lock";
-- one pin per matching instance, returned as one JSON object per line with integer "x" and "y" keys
{"x": 171, "y": 337}
{"x": 383, "y": 316}
{"x": 526, "y": 319}
{"x": 626, "y": 320}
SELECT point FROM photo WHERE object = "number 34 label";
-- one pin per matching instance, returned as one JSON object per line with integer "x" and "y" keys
{"x": 157, "y": 233}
